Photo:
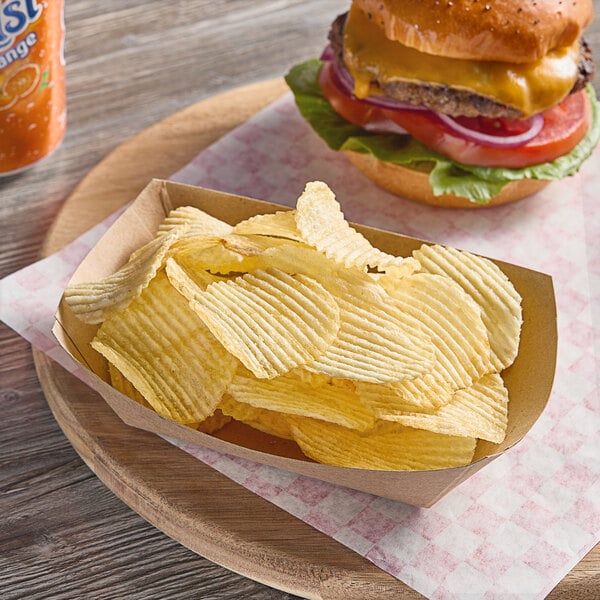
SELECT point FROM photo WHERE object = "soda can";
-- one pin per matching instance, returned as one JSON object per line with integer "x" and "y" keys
{"x": 32, "y": 82}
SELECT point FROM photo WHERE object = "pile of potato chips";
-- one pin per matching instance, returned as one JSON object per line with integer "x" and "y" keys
{"x": 293, "y": 323}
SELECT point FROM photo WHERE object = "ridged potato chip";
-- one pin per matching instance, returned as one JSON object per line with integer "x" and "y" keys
{"x": 479, "y": 411}
{"x": 211, "y": 424}
{"x": 167, "y": 353}
{"x": 228, "y": 255}
{"x": 373, "y": 347}
{"x": 375, "y": 341}
{"x": 396, "y": 449}
{"x": 422, "y": 394}
{"x": 93, "y": 302}
{"x": 219, "y": 255}
{"x": 453, "y": 321}
{"x": 485, "y": 282}
{"x": 321, "y": 223}
{"x": 123, "y": 385}
{"x": 195, "y": 221}
{"x": 279, "y": 224}
{"x": 188, "y": 282}
{"x": 321, "y": 398}
{"x": 265, "y": 420}
{"x": 270, "y": 320}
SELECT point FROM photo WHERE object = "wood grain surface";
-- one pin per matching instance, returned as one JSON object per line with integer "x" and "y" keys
{"x": 63, "y": 533}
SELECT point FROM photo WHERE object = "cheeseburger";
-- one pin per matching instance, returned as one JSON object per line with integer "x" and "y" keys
{"x": 456, "y": 103}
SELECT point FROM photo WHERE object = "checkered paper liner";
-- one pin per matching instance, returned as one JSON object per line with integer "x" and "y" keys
{"x": 515, "y": 528}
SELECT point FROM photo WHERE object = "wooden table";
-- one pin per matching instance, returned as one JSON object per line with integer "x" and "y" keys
{"x": 63, "y": 534}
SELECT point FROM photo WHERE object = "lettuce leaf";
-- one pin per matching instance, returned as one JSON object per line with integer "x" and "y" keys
{"x": 478, "y": 184}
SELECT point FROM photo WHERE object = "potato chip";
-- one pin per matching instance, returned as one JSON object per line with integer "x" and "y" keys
{"x": 251, "y": 245}
{"x": 462, "y": 352}
{"x": 123, "y": 385}
{"x": 316, "y": 380}
{"x": 296, "y": 395}
{"x": 479, "y": 411}
{"x": 231, "y": 254}
{"x": 93, "y": 302}
{"x": 375, "y": 341}
{"x": 187, "y": 283}
{"x": 270, "y": 320}
{"x": 484, "y": 281}
{"x": 425, "y": 393}
{"x": 219, "y": 255}
{"x": 321, "y": 223}
{"x": 161, "y": 346}
{"x": 195, "y": 221}
{"x": 265, "y": 420}
{"x": 279, "y": 224}
{"x": 397, "y": 448}
{"x": 211, "y": 424}
{"x": 369, "y": 348}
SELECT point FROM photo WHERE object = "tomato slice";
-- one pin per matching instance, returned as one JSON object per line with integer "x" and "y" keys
{"x": 565, "y": 125}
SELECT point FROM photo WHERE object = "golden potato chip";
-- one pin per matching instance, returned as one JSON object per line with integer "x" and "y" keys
{"x": 368, "y": 348}
{"x": 295, "y": 395}
{"x": 479, "y": 411}
{"x": 484, "y": 281}
{"x": 167, "y": 353}
{"x": 219, "y": 255}
{"x": 270, "y": 320}
{"x": 187, "y": 283}
{"x": 453, "y": 321}
{"x": 194, "y": 245}
{"x": 279, "y": 224}
{"x": 123, "y": 385}
{"x": 321, "y": 223}
{"x": 251, "y": 245}
{"x": 195, "y": 221}
{"x": 425, "y": 393}
{"x": 265, "y": 420}
{"x": 316, "y": 380}
{"x": 397, "y": 448}
{"x": 291, "y": 256}
{"x": 231, "y": 254}
{"x": 92, "y": 302}
{"x": 211, "y": 424}
{"x": 375, "y": 341}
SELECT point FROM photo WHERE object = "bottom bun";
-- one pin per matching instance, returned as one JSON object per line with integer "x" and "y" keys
{"x": 414, "y": 185}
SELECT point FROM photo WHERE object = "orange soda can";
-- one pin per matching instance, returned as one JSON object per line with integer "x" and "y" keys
{"x": 32, "y": 82}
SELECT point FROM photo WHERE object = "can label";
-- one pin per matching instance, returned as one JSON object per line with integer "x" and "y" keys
{"x": 32, "y": 81}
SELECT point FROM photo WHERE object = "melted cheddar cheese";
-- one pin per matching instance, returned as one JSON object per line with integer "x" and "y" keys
{"x": 529, "y": 87}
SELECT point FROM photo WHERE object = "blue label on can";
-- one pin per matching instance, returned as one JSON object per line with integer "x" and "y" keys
{"x": 15, "y": 17}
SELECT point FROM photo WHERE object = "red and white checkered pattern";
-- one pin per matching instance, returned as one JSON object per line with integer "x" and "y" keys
{"x": 516, "y": 527}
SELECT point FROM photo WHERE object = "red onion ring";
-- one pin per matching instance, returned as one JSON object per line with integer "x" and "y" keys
{"x": 328, "y": 55}
{"x": 347, "y": 82}
{"x": 536, "y": 123}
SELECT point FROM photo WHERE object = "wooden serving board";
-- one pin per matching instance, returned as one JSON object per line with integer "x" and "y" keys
{"x": 194, "y": 504}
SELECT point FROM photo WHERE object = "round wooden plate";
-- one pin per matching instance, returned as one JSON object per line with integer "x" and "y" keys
{"x": 189, "y": 501}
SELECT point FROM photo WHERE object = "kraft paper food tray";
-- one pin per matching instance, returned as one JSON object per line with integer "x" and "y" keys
{"x": 529, "y": 379}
